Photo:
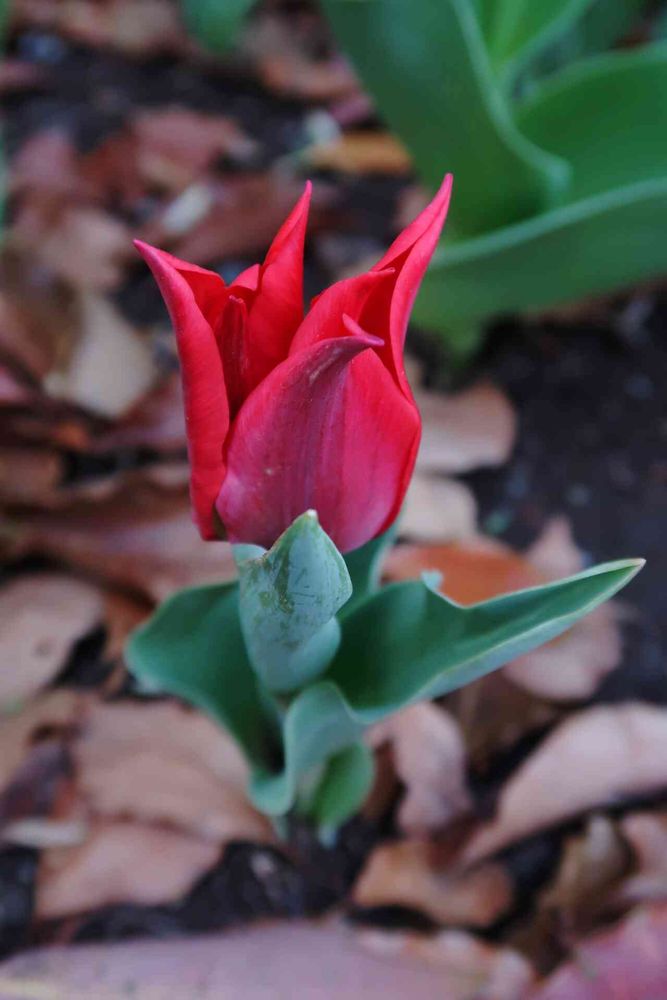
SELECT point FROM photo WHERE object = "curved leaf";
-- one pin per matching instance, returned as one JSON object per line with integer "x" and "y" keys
{"x": 426, "y": 66}
{"x": 515, "y": 30}
{"x": 317, "y": 726}
{"x": 588, "y": 248}
{"x": 409, "y": 642}
{"x": 288, "y": 598}
{"x": 215, "y": 23}
{"x": 364, "y": 566}
{"x": 607, "y": 116}
{"x": 346, "y": 782}
{"x": 192, "y": 647}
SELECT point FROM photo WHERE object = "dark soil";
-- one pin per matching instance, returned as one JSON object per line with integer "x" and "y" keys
{"x": 592, "y": 445}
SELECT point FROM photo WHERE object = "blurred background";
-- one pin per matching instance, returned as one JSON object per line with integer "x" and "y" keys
{"x": 539, "y": 360}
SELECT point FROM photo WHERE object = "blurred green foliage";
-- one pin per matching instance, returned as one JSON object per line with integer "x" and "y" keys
{"x": 556, "y": 139}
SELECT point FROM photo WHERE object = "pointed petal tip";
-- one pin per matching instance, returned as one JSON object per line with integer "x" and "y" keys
{"x": 360, "y": 334}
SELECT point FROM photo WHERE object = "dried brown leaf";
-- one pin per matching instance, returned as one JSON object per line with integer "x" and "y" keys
{"x": 429, "y": 758}
{"x": 474, "y": 428}
{"x": 186, "y": 771}
{"x": 646, "y": 833}
{"x": 596, "y": 756}
{"x": 42, "y": 615}
{"x": 55, "y": 712}
{"x": 437, "y": 509}
{"x": 362, "y": 152}
{"x": 470, "y": 969}
{"x": 120, "y": 863}
{"x": 411, "y": 873}
{"x": 627, "y": 961}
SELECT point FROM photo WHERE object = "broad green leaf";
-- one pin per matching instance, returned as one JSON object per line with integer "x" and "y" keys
{"x": 288, "y": 599}
{"x": 317, "y": 726}
{"x": 591, "y": 247}
{"x": 346, "y": 782}
{"x": 426, "y": 67}
{"x": 607, "y": 116}
{"x": 364, "y": 566}
{"x": 514, "y": 30}
{"x": 215, "y": 23}
{"x": 192, "y": 647}
{"x": 409, "y": 642}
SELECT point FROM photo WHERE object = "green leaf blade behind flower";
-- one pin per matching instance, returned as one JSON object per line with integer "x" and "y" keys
{"x": 592, "y": 247}
{"x": 192, "y": 647}
{"x": 409, "y": 642}
{"x": 288, "y": 599}
{"x": 215, "y": 23}
{"x": 607, "y": 116}
{"x": 515, "y": 30}
{"x": 365, "y": 566}
{"x": 426, "y": 67}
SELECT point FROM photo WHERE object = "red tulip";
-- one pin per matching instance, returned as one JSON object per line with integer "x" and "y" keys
{"x": 286, "y": 413}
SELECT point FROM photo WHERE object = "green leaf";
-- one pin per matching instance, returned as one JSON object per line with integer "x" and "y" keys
{"x": 426, "y": 66}
{"x": 215, "y": 23}
{"x": 192, "y": 647}
{"x": 515, "y": 30}
{"x": 591, "y": 247}
{"x": 288, "y": 599}
{"x": 409, "y": 642}
{"x": 364, "y": 566}
{"x": 607, "y": 116}
{"x": 343, "y": 789}
{"x": 317, "y": 726}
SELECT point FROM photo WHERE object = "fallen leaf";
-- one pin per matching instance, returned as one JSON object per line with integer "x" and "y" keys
{"x": 142, "y": 538}
{"x": 186, "y": 771}
{"x": 42, "y": 616}
{"x": 111, "y": 367}
{"x": 627, "y": 961}
{"x": 30, "y": 475}
{"x": 177, "y": 144}
{"x": 259, "y": 963}
{"x": 410, "y": 873}
{"x": 597, "y": 756}
{"x": 470, "y": 969}
{"x": 472, "y": 570}
{"x": 120, "y": 863}
{"x": 469, "y": 430}
{"x": 56, "y": 712}
{"x": 437, "y": 508}
{"x": 646, "y": 834}
{"x": 81, "y": 244}
{"x": 361, "y": 152}
{"x": 494, "y": 715}
{"x": 155, "y": 422}
{"x": 590, "y": 869}
{"x": 429, "y": 758}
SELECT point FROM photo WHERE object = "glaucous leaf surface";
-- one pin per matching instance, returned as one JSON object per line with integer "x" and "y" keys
{"x": 288, "y": 598}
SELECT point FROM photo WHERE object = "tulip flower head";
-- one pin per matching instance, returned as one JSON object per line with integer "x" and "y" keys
{"x": 286, "y": 413}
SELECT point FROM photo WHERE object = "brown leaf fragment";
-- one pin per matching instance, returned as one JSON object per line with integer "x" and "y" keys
{"x": 429, "y": 758}
{"x": 437, "y": 508}
{"x": 361, "y": 152}
{"x": 42, "y": 615}
{"x": 470, "y": 969}
{"x": 29, "y": 475}
{"x": 120, "y": 863}
{"x": 186, "y": 771}
{"x": 597, "y": 756}
{"x": 646, "y": 834}
{"x": 469, "y": 430}
{"x": 627, "y": 962}
{"x": 590, "y": 869}
{"x": 411, "y": 873}
{"x": 56, "y": 712}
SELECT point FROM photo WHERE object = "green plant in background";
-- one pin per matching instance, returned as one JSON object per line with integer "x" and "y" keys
{"x": 558, "y": 146}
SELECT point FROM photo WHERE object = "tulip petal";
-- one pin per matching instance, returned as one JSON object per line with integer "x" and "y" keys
{"x": 277, "y": 306}
{"x": 324, "y": 319}
{"x": 409, "y": 255}
{"x": 205, "y": 397}
{"x": 328, "y": 430}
